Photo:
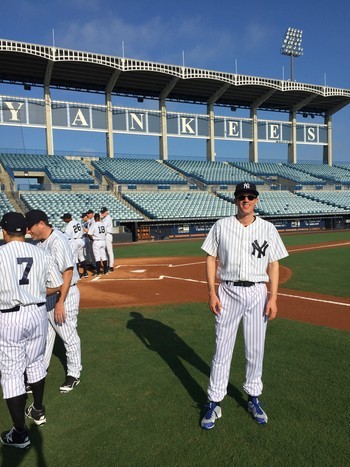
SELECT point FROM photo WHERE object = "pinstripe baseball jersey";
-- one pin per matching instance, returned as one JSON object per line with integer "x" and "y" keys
{"x": 98, "y": 231}
{"x": 25, "y": 272}
{"x": 58, "y": 246}
{"x": 244, "y": 252}
{"x": 108, "y": 223}
{"x": 74, "y": 230}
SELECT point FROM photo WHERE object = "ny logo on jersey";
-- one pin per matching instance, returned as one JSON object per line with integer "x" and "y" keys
{"x": 260, "y": 249}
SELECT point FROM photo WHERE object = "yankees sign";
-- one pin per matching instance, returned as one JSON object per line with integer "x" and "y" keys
{"x": 28, "y": 112}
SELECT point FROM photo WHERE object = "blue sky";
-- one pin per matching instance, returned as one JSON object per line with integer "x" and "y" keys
{"x": 214, "y": 35}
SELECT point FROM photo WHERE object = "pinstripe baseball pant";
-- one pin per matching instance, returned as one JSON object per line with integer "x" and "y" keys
{"x": 22, "y": 346}
{"x": 239, "y": 303}
{"x": 67, "y": 331}
{"x": 109, "y": 249}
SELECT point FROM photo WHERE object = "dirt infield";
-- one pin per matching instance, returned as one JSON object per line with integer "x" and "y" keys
{"x": 156, "y": 281}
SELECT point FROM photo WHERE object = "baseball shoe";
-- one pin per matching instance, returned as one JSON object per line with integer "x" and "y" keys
{"x": 213, "y": 411}
{"x": 95, "y": 274}
{"x": 69, "y": 384}
{"x": 111, "y": 269}
{"x": 84, "y": 274}
{"x": 37, "y": 415}
{"x": 254, "y": 408}
{"x": 17, "y": 439}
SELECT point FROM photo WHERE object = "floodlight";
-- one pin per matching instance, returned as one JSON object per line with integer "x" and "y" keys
{"x": 291, "y": 46}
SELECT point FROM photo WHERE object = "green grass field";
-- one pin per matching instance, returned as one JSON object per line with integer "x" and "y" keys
{"x": 144, "y": 382}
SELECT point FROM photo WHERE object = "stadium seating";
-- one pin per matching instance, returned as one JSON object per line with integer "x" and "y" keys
{"x": 56, "y": 204}
{"x": 138, "y": 171}
{"x": 180, "y": 205}
{"x": 338, "y": 199}
{"x": 331, "y": 174}
{"x": 285, "y": 203}
{"x": 212, "y": 173}
{"x": 5, "y": 204}
{"x": 286, "y": 171}
{"x": 58, "y": 169}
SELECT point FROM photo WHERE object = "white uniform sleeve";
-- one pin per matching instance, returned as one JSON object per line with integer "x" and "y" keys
{"x": 54, "y": 276}
{"x": 277, "y": 250}
{"x": 211, "y": 243}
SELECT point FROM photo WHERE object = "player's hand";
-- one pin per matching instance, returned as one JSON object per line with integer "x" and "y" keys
{"x": 214, "y": 303}
{"x": 59, "y": 314}
{"x": 271, "y": 309}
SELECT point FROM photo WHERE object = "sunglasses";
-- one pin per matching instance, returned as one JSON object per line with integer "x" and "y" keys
{"x": 243, "y": 197}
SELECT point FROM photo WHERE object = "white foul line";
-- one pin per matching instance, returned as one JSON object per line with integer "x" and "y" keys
{"x": 331, "y": 302}
{"x": 319, "y": 247}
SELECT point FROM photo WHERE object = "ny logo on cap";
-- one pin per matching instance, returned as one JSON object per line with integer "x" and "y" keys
{"x": 246, "y": 186}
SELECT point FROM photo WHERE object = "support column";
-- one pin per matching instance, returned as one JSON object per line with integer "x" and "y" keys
{"x": 210, "y": 139}
{"x": 292, "y": 147}
{"x": 109, "y": 126}
{"x": 163, "y": 139}
{"x": 328, "y": 148}
{"x": 253, "y": 145}
{"x": 48, "y": 120}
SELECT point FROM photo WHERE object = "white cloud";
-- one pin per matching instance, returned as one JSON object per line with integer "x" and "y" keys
{"x": 156, "y": 39}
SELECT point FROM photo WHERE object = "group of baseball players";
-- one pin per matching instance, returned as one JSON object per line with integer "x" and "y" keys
{"x": 39, "y": 299}
{"x": 91, "y": 241}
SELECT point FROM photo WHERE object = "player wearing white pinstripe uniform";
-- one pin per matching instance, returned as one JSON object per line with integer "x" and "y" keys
{"x": 97, "y": 234}
{"x": 248, "y": 249}
{"x": 74, "y": 232}
{"x": 63, "y": 313}
{"x": 108, "y": 223}
{"x": 27, "y": 276}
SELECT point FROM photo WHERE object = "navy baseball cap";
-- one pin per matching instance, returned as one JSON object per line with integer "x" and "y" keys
{"x": 36, "y": 215}
{"x": 103, "y": 210}
{"x": 90, "y": 211}
{"x": 246, "y": 187}
{"x": 67, "y": 215}
{"x": 14, "y": 222}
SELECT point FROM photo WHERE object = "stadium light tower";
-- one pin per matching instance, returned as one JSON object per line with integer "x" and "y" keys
{"x": 292, "y": 46}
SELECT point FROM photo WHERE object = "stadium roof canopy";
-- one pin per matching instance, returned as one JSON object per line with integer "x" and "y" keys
{"x": 39, "y": 65}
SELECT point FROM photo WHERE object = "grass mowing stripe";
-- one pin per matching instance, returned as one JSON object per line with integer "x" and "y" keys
{"x": 145, "y": 377}
{"x": 319, "y": 271}
{"x": 193, "y": 247}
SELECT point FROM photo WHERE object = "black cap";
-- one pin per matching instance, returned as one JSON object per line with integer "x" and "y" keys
{"x": 84, "y": 214}
{"x": 34, "y": 216}
{"x": 67, "y": 215}
{"x": 90, "y": 211}
{"x": 103, "y": 210}
{"x": 246, "y": 187}
{"x": 14, "y": 222}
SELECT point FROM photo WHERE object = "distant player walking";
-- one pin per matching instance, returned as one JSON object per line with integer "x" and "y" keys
{"x": 108, "y": 223}
{"x": 248, "y": 249}
{"x": 27, "y": 276}
{"x": 62, "y": 313}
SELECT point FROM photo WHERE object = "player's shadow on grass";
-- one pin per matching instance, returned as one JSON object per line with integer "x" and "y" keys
{"x": 172, "y": 349}
{"x": 12, "y": 457}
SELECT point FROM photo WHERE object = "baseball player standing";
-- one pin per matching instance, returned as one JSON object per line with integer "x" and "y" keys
{"x": 74, "y": 232}
{"x": 97, "y": 234}
{"x": 62, "y": 313}
{"x": 27, "y": 276}
{"x": 248, "y": 249}
{"x": 108, "y": 223}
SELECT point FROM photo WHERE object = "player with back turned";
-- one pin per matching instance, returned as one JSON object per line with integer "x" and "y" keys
{"x": 62, "y": 313}
{"x": 247, "y": 249}
{"x": 27, "y": 276}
